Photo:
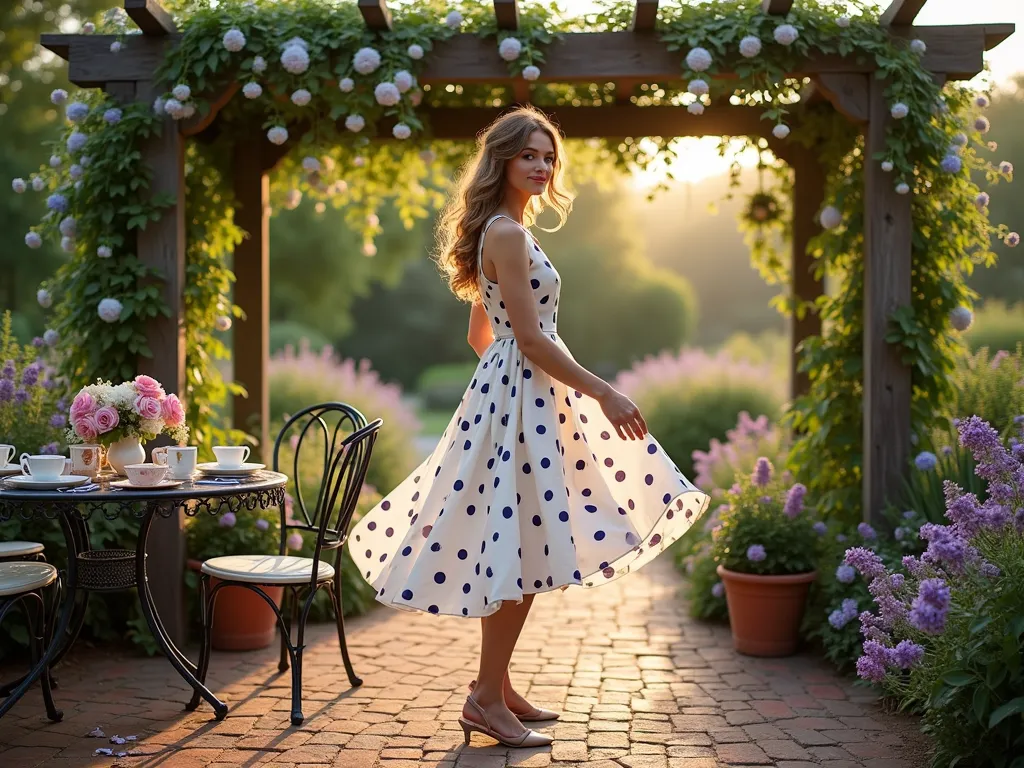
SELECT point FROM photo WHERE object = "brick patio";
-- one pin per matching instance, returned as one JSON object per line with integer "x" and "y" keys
{"x": 641, "y": 685}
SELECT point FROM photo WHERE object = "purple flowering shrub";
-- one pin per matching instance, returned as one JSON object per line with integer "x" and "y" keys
{"x": 764, "y": 527}
{"x": 946, "y": 637}
{"x": 247, "y": 532}
{"x": 715, "y": 468}
{"x": 923, "y": 491}
{"x": 32, "y": 414}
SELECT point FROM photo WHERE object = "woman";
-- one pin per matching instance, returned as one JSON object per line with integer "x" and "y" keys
{"x": 546, "y": 476}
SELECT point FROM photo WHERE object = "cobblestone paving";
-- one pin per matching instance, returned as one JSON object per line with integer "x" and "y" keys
{"x": 641, "y": 685}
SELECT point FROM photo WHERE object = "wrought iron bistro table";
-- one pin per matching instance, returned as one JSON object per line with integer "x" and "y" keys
{"x": 113, "y": 569}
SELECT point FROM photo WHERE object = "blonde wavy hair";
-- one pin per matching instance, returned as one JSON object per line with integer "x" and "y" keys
{"x": 481, "y": 188}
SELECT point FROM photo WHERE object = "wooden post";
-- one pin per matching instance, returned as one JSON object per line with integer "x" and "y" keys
{"x": 888, "y": 227}
{"x": 808, "y": 194}
{"x": 252, "y": 289}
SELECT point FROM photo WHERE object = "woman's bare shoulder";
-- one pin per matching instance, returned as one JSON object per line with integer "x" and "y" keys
{"x": 504, "y": 240}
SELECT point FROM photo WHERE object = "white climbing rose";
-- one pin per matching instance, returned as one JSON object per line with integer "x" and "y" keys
{"x": 33, "y": 240}
{"x": 158, "y": 106}
{"x": 899, "y": 110}
{"x": 222, "y": 323}
{"x": 453, "y": 20}
{"x": 88, "y": 28}
{"x": 387, "y": 94}
{"x": 234, "y": 40}
{"x": 252, "y": 90}
{"x": 355, "y": 123}
{"x": 366, "y": 60}
{"x": 19, "y": 185}
{"x": 750, "y": 46}
{"x": 981, "y": 201}
{"x": 510, "y": 48}
{"x": 259, "y": 65}
{"x": 59, "y": 96}
{"x": 843, "y": 21}
{"x": 698, "y": 59}
{"x": 115, "y": 47}
{"x": 961, "y": 318}
{"x": 104, "y": 251}
{"x": 401, "y": 131}
{"x": 75, "y": 171}
{"x": 831, "y": 217}
{"x": 785, "y": 34}
{"x": 310, "y": 164}
{"x": 696, "y": 108}
{"x": 68, "y": 226}
{"x": 531, "y": 73}
{"x": 902, "y": 188}
{"x": 109, "y": 310}
{"x": 295, "y": 59}
{"x": 38, "y": 184}
{"x": 174, "y": 108}
{"x": 780, "y": 131}
{"x": 415, "y": 51}
{"x": 346, "y": 84}
{"x": 403, "y": 80}
{"x": 187, "y": 110}
{"x": 887, "y": 166}
{"x": 55, "y": 161}
{"x": 181, "y": 92}
{"x": 301, "y": 97}
{"x": 44, "y": 298}
{"x": 918, "y": 46}
{"x": 67, "y": 244}
{"x": 698, "y": 87}
{"x": 278, "y": 135}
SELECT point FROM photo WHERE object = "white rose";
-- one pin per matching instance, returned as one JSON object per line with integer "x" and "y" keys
{"x": 310, "y": 164}
{"x": 295, "y": 41}
{"x": 59, "y": 96}
{"x": 104, "y": 252}
{"x": 51, "y": 337}
{"x": 277, "y": 135}
{"x": 961, "y": 318}
{"x": 44, "y": 298}
{"x": 355, "y": 123}
{"x": 981, "y": 201}
{"x": 902, "y": 188}
{"x": 750, "y": 46}
{"x": 33, "y": 240}
{"x": 259, "y": 65}
{"x": 174, "y": 108}
{"x": 899, "y": 110}
{"x": 415, "y": 52}
{"x": 295, "y": 59}
{"x": 785, "y": 34}
{"x": 416, "y": 97}
{"x": 346, "y": 84}
{"x": 387, "y": 94}
{"x": 698, "y": 59}
{"x": 369, "y": 249}
{"x": 68, "y": 226}
{"x": 982, "y": 101}
{"x": 887, "y": 166}
{"x": 222, "y": 323}
{"x": 918, "y": 46}
{"x": 158, "y": 106}
{"x": 55, "y": 161}
{"x": 252, "y": 90}
{"x": 366, "y": 60}
{"x": 403, "y": 81}
{"x": 780, "y": 131}
{"x": 401, "y": 131}
{"x": 831, "y": 217}
{"x": 531, "y": 73}
{"x": 67, "y": 244}
{"x": 696, "y": 108}
{"x": 453, "y": 20}
{"x": 19, "y": 185}
{"x": 187, "y": 110}
{"x": 698, "y": 87}
{"x": 181, "y": 92}
{"x": 510, "y": 48}
{"x": 843, "y": 21}
{"x": 109, "y": 310}
{"x": 234, "y": 40}
{"x": 88, "y": 28}
{"x": 301, "y": 97}
{"x": 75, "y": 171}
{"x": 115, "y": 47}
{"x": 38, "y": 184}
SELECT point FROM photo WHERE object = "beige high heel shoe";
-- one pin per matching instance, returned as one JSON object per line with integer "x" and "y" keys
{"x": 538, "y": 715}
{"x": 528, "y": 739}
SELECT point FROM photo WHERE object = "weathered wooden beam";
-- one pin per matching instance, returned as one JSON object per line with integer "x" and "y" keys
{"x": 376, "y": 15}
{"x": 901, "y": 12}
{"x": 506, "y": 13}
{"x": 251, "y": 335}
{"x": 521, "y": 91}
{"x": 198, "y": 123}
{"x": 57, "y": 44}
{"x": 645, "y": 14}
{"x": 776, "y": 7}
{"x": 996, "y": 33}
{"x": 151, "y": 17}
{"x": 888, "y": 230}
{"x": 847, "y": 93}
{"x": 808, "y": 195}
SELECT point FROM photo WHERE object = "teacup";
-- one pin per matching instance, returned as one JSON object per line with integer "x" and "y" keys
{"x": 180, "y": 461}
{"x": 43, "y": 466}
{"x": 7, "y": 452}
{"x": 145, "y": 475}
{"x": 231, "y": 456}
{"x": 86, "y": 460}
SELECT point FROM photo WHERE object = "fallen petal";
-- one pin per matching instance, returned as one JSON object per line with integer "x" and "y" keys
{"x": 96, "y": 733}
{"x": 104, "y": 751}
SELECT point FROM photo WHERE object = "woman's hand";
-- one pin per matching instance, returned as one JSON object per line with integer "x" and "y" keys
{"x": 623, "y": 414}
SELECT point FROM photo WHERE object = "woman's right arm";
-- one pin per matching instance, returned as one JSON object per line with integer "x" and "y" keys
{"x": 506, "y": 249}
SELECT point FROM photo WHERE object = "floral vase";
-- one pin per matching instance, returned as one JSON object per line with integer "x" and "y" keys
{"x": 128, "y": 450}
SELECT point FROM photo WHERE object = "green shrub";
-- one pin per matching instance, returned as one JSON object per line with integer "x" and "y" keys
{"x": 441, "y": 387}
{"x": 285, "y": 333}
{"x": 704, "y": 589}
{"x": 988, "y": 385}
{"x": 997, "y": 326}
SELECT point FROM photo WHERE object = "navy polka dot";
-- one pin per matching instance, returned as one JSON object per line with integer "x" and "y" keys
{"x": 466, "y": 588}
{"x": 407, "y": 594}
{"x": 507, "y": 512}
{"x": 439, "y": 577}
{"x": 407, "y": 551}
{"x": 463, "y": 554}
{"x": 599, "y": 535}
{"x": 536, "y": 520}
{"x": 563, "y": 516}
{"x": 433, "y": 609}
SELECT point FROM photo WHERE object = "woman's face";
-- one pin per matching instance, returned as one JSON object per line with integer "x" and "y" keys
{"x": 530, "y": 171}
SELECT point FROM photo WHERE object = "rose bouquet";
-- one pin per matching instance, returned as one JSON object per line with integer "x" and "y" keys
{"x": 105, "y": 413}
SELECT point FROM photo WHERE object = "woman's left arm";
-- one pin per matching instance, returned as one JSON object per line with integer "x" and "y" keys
{"x": 480, "y": 336}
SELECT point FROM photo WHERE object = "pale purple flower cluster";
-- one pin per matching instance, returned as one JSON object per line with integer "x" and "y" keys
{"x": 845, "y": 574}
{"x": 871, "y": 666}
{"x": 262, "y": 524}
{"x": 946, "y": 547}
{"x": 718, "y": 590}
{"x": 993, "y": 460}
{"x": 891, "y": 608}
{"x": 840, "y": 617}
{"x": 6, "y": 390}
{"x": 227, "y": 520}
{"x": 756, "y": 553}
{"x": 990, "y": 571}
{"x": 866, "y": 531}
{"x": 21, "y": 396}
{"x": 8, "y": 371}
{"x": 914, "y": 566}
{"x": 30, "y": 375}
{"x": 50, "y": 449}
{"x": 929, "y": 609}
{"x": 795, "y": 501}
{"x": 926, "y": 461}
{"x": 906, "y": 654}
{"x": 762, "y": 472}
{"x": 746, "y": 441}
{"x": 820, "y": 528}
{"x": 865, "y": 561}
{"x": 58, "y": 420}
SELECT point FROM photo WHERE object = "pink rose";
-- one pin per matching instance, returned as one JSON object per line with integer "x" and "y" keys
{"x": 106, "y": 418}
{"x": 147, "y": 407}
{"x": 173, "y": 412}
{"x": 82, "y": 405}
{"x": 147, "y": 386}
{"x": 86, "y": 427}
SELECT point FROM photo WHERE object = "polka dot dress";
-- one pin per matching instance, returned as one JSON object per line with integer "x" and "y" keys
{"x": 529, "y": 490}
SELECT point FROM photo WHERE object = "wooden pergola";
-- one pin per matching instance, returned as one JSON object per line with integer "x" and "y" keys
{"x": 625, "y": 59}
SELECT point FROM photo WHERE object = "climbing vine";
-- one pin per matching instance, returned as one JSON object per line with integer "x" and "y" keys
{"x": 311, "y": 73}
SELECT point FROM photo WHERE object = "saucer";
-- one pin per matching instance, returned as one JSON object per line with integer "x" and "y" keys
{"x": 163, "y": 484}
{"x": 213, "y": 468}
{"x": 64, "y": 481}
{"x": 10, "y": 469}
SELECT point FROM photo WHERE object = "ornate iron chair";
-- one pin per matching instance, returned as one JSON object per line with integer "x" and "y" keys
{"x": 343, "y": 471}
{"x": 23, "y": 583}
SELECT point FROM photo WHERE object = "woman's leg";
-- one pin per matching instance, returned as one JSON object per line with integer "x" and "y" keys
{"x": 513, "y": 700}
{"x": 500, "y": 634}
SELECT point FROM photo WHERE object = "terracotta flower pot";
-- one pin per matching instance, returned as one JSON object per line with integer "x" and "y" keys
{"x": 765, "y": 611}
{"x": 242, "y": 620}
